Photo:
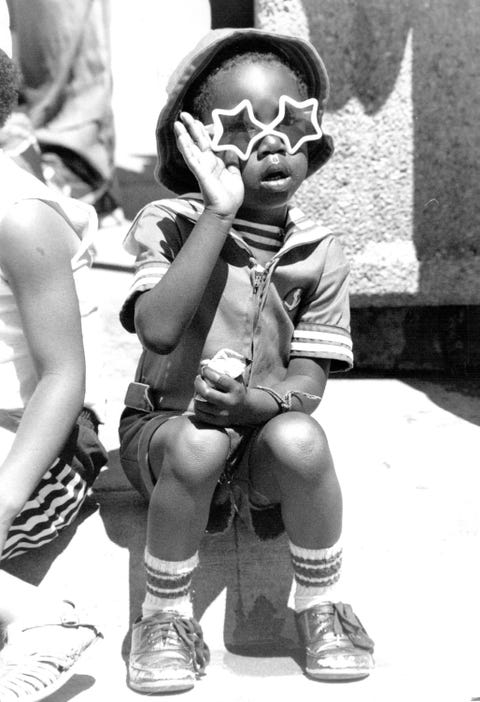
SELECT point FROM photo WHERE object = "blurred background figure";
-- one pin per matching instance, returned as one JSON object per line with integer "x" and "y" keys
{"x": 63, "y": 130}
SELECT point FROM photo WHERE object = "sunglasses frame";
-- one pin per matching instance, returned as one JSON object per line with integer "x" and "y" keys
{"x": 266, "y": 129}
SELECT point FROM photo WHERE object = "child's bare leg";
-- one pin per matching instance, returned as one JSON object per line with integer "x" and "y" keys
{"x": 291, "y": 464}
{"x": 187, "y": 461}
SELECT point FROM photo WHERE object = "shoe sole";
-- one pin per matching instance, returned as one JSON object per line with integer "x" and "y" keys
{"x": 338, "y": 675}
{"x": 163, "y": 686}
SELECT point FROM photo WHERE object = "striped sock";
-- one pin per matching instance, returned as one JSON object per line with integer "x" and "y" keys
{"x": 317, "y": 572}
{"x": 168, "y": 585}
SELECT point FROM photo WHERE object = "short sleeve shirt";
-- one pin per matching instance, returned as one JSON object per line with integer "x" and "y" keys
{"x": 293, "y": 304}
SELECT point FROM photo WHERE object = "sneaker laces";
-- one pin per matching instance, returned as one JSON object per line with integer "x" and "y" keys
{"x": 189, "y": 632}
{"x": 346, "y": 622}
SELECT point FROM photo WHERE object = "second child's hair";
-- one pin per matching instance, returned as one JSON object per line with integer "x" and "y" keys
{"x": 198, "y": 99}
{"x": 9, "y": 79}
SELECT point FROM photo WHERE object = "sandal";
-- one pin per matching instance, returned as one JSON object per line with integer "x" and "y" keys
{"x": 41, "y": 659}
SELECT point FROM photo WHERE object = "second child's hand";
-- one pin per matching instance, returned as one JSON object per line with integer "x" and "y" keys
{"x": 220, "y": 181}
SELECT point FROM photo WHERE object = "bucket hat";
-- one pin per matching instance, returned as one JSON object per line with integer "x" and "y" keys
{"x": 171, "y": 170}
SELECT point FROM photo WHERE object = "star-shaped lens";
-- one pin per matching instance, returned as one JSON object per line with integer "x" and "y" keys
{"x": 238, "y": 129}
{"x": 297, "y": 122}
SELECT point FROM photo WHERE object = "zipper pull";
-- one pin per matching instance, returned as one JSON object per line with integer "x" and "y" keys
{"x": 256, "y": 275}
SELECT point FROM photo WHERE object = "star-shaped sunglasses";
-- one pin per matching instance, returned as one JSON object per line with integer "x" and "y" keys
{"x": 238, "y": 129}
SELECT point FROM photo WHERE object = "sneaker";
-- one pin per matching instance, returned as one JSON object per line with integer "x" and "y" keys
{"x": 337, "y": 645}
{"x": 168, "y": 653}
{"x": 37, "y": 661}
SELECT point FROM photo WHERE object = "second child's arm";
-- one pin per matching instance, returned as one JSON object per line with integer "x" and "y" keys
{"x": 36, "y": 247}
{"x": 163, "y": 313}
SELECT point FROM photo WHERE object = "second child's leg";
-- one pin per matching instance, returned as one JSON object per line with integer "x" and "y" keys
{"x": 291, "y": 464}
{"x": 168, "y": 651}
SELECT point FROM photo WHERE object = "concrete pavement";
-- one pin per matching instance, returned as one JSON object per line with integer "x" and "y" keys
{"x": 406, "y": 452}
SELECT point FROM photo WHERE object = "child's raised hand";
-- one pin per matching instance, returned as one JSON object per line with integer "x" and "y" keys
{"x": 221, "y": 184}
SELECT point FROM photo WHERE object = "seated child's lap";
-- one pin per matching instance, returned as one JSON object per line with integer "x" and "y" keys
{"x": 234, "y": 493}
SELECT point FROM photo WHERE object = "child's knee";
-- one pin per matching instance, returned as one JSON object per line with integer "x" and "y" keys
{"x": 297, "y": 443}
{"x": 189, "y": 453}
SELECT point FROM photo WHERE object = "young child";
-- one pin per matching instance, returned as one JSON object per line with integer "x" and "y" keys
{"x": 241, "y": 305}
{"x": 49, "y": 449}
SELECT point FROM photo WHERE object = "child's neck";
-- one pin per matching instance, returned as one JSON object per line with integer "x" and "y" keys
{"x": 271, "y": 217}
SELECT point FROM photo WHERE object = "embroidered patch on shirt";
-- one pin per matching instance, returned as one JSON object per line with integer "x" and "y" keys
{"x": 292, "y": 299}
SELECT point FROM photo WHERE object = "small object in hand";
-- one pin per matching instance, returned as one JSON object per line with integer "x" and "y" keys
{"x": 226, "y": 362}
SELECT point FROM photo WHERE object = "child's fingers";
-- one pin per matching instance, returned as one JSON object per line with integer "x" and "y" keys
{"x": 196, "y": 130}
{"x": 218, "y": 380}
{"x": 184, "y": 142}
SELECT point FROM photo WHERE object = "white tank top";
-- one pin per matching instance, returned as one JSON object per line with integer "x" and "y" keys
{"x": 18, "y": 378}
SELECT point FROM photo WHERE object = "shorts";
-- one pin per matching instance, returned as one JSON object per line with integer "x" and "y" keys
{"x": 234, "y": 494}
{"x": 59, "y": 495}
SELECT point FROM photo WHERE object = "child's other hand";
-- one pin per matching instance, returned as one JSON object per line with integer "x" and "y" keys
{"x": 220, "y": 400}
{"x": 221, "y": 183}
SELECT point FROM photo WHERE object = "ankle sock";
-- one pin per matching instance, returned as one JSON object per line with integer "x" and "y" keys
{"x": 169, "y": 585}
{"x": 317, "y": 572}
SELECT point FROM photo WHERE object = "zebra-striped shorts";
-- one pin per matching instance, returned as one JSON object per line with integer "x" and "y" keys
{"x": 60, "y": 493}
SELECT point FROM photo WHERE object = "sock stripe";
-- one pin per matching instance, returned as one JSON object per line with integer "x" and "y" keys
{"x": 317, "y": 569}
{"x": 162, "y": 581}
{"x": 167, "y": 594}
{"x": 315, "y": 562}
{"x": 319, "y": 583}
{"x": 317, "y": 572}
{"x": 168, "y": 584}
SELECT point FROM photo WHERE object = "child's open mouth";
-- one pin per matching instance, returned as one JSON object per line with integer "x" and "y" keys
{"x": 275, "y": 177}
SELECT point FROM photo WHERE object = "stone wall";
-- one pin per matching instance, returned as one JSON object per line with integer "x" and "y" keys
{"x": 402, "y": 188}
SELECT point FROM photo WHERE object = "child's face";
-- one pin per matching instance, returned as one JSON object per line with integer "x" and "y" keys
{"x": 270, "y": 175}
